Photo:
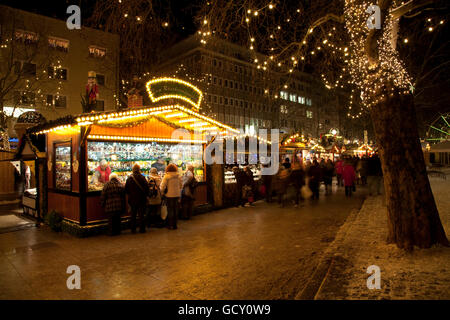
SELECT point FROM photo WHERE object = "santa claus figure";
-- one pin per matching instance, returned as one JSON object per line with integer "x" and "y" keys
{"x": 91, "y": 90}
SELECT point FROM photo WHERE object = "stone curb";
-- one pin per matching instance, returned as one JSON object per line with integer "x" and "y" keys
{"x": 318, "y": 278}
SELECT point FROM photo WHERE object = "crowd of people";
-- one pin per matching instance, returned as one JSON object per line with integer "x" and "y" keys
{"x": 149, "y": 198}
{"x": 161, "y": 201}
{"x": 306, "y": 178}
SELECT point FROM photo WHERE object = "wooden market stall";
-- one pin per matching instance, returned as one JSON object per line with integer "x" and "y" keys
{"x": 82, "y": 150}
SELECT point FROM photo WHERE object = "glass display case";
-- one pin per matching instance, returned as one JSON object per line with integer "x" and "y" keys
{"x": 121, "y": 156}
{"x": 229, "y": 175}
{"x": 63, "y": 166}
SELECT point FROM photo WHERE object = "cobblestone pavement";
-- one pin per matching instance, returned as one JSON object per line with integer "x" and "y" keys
{"x": 260, "y": 252}
{"x": 422, "y": 274}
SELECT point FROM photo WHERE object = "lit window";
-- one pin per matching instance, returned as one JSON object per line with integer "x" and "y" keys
{"x": 293, "y": 97}
{"x": 58, "y": 44}
{"x": 308, "y": 101}
{"x": 284, "y": 95}
{"x": 26, "y": 37}
{"x": 301, "y": 100}
{"x": 309, "y": 114}
{"x": 97, "y": 52}
{"x": 283, "y": 109}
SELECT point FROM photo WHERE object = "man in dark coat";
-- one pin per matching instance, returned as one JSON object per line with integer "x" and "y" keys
{"x": 374, "y": 175}
{"x": 137, "y": 190}
{"x": 297, "y": 180}
{"x": 113, "y": 201}
{"x": 241, "y": 178}
{"x": 315, "y": 176}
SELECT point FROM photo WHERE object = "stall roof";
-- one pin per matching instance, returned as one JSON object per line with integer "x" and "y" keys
{"x": 174, "y": 115}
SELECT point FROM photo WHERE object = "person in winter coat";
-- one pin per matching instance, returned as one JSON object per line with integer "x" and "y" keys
{"x": 250, "y": 184}
{"x": 349, "y": 177}
{"x": 240, "y": 177}
{"x": 282, "y": 184}
{"x": 267, "y": 183}
{"x": 315, "y": 176}
{"x": 328, "y": 171}
{"x": 171, "y": 190}
{"x": 154, "y": 203}
{"x": 297, "y": 180}
{"x": 136, "y": 188}
{"x": 187, "y": 193}
{"x": 113, "y": 202}
{"x": 339, "y": 170}
{"x": 374, "y": 175}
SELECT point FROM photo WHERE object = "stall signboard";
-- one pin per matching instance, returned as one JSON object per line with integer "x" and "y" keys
{"x": 172, "y": 88}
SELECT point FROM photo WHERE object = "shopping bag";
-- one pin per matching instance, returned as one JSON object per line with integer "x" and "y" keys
{"x": 306, "y": 192}
{"x": 164, "y": 211}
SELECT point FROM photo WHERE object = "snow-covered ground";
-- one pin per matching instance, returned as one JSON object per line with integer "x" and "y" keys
{"x": 422, "y": 274}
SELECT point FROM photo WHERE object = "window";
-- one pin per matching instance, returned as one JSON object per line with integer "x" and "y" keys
{"x": 220, "y": 82}
{"x": 308, "y": 101}
{"x": 25, "y": 98}
{"x": 283, "y": 109}
{"x": 235, "y": 85}
{"x": 226, "y": 83}
{"x": 220, "y": 100}
{"x": 215, "y": 99}
{"x": 293, "y": 97}
{"x": 209, "y": 98}
{"x": 58, "y": 44}
{"x": 57, "y": 73}
{"x": 26, "y": 37}
{"x": 56, "y": 101}
{"x": 231, "y": 84}
{"x": 63, "y": 168}
{"x": 97, "y": 52}
{"x": 25, "y": 68}
{"x": 226, "y": 101}
{"x": 100, "y": 79}
{"x": 284, "y": 95}
{"x": 309, "y": 114}
{"x": 301, "y": 100}
{"x": 215, "y": 62}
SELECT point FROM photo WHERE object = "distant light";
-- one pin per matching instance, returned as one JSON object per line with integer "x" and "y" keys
{"x": 405, "y": 41}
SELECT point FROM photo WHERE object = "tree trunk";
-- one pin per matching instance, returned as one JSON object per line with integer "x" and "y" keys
{"x": 413, "y": 218}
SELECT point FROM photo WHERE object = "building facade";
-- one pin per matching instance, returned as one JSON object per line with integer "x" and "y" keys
{"x": 242, "y": 95}
{"x": 52, "y": 63}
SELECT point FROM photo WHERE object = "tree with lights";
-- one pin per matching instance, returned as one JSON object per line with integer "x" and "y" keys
{"x": 332, "y": 38}
{"x": 28, "y": 65}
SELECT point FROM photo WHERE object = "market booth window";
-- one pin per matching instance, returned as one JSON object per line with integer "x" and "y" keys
{"x": 119, "y": 157}
{"x": 63, "y": 170}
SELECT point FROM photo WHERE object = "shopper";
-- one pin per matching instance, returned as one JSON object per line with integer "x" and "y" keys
{"x": 339, "y": 167}
{"x": 171, "y": 190}
{"x": 374, "y": 175}
{"x": 267, "y": 183}
{"x": 349, "y": 177}
{"x": 154, "y": 199}
{"x": 249, "y": 185}
{"x": 187, "y": 193}
{"x": 328, "y": 172}
{"x": 136, "y": 188}
{"x": 113, "y": 202}
{"x": 282, "y": 184}
{"x": 287, "y": 163}
{"x": 297, "y": 180}
{"x": 315, "y": 176}
{"x": 240, "y": 177}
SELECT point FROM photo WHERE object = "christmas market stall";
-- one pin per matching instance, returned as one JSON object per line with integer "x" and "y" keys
{"x": 295, "y": 148}
{"x": 83, "y": 150}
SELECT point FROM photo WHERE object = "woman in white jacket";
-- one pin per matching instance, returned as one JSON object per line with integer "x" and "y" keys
{"x": 171, "y": 190}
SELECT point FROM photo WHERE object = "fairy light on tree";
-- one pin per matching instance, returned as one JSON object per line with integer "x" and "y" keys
{"x": 332, "y": 37}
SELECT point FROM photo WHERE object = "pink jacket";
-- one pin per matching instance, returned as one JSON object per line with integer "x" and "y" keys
{"x": 339, "y": 167}
{"x": 348, "y": 175}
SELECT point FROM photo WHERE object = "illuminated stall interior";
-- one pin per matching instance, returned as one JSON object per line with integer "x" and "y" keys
{"x": 80, "y": 149}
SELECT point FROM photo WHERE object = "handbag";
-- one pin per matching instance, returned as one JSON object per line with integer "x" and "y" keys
{"x": 164, "y": 210}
